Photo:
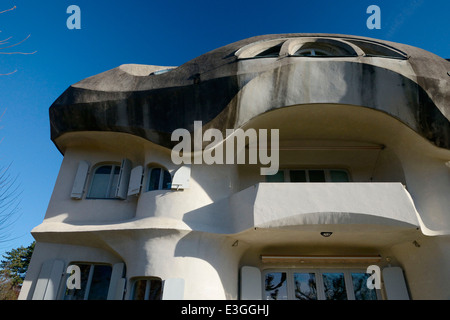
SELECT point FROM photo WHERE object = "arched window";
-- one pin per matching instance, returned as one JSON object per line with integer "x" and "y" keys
{"x": 312, "y": 53}
{"x": 158, "y": 179}
{"x": 104, "y": 182}
{"x": 323, "y": 48}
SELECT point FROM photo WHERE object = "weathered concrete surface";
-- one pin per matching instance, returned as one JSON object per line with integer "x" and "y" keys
{"x": 224, "y": 92}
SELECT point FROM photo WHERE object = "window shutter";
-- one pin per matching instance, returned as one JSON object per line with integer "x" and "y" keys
{"x": 181, "y": 178}
{"x": 124, "y": 178}
{"x": 117, "y": 282}
{"x": 80, "y": 180}
{"x": 173, "y": 289}
{"x": 48, "y": 280}
{"x": 134, "y": 186}
{"x": 250, "y": 283}
{"x": 394, "y": 284}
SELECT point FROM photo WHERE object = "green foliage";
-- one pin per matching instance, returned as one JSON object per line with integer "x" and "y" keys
{"x": 12, "y": 271}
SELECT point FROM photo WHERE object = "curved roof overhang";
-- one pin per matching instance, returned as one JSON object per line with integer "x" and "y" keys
{"x": 225, "y": 90}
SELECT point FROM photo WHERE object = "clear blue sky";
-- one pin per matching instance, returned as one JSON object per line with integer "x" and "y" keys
{"x": 160, "y": 33}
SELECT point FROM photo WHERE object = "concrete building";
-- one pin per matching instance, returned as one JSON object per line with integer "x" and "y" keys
{"x": 363, "y": 177}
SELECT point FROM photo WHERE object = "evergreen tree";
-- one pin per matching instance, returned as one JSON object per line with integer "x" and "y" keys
{"x": 13, "y": 270}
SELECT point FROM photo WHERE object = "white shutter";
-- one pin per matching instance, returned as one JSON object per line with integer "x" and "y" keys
{"x": 173, "y": 289}
{"x": 80, "y": 180}
{"x": 181, "y": 178}
{"x": 124, "y": 178}
{"x": 394, "y": 284}
{"x": 117, "y": 282}
{"x": 48, "y": 281}
{"x": 251, "y": 283}
{"x": 134, "y": 187}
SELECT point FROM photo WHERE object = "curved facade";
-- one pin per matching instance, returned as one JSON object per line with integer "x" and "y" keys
{"x": 363, "y": 156}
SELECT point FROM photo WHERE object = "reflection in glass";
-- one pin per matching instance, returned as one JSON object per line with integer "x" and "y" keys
{"x": 305, "y": 286}
{"x": 100, "y": 182}
{"x": 334, "y": 285}
{"x": 275, "y": 286}
{"x": 362, "y": 292}
{"x": 338, "y": 176}
{"x": 104, "y": 182}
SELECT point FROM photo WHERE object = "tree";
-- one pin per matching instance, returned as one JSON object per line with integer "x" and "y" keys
{"x": 13, "y": 270}
{"x": 8, "y": 188}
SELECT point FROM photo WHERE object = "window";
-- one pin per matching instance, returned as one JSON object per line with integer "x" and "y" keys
{"x": 324, "y": 48}
{"x": 147, "y": 289}
{"x": 374, "y": 49}
{"x": 317, "y": 284}
{"x": 309, "y": 175}
{"x": 162, "y": 71}
{"x": 104, "y": 182}
{"x": 270, "y": 52}
{"x": 312, "y": 53}
{"x": 108, "y": 181}
{"x": 95, "y": 279}
{"x": 158, "y": 179}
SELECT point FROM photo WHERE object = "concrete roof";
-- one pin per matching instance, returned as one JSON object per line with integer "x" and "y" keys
{"x": 211, "y": 88}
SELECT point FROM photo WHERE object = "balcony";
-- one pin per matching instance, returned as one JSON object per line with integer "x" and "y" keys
{"x": 376, "y": 211}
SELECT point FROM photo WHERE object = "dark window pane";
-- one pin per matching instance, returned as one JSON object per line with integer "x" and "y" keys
{"x": 155, "y": 289}
{"x": 103, "y": 170}
{"x": 153, "y": 183}
{"x": 139, "y": 290}
{"x": 78, "y": 294}
{"x": 297, "y": 175}
{"x": 147, "y": 289}
{"x": 316, "y": 176}
{"x": 167, "y": 180}
{"x": 100, "y": 282}
{"x": 271, "y": 52}
{"x": 277, "y": 177}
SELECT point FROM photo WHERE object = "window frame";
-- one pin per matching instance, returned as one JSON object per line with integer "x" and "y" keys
{"x": 161, "y": 178}
{"x": 320, "y": 287}
{"x": 108, "y": 191}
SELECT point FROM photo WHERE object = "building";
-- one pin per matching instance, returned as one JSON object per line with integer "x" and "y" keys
{"x": 363, "y": 177}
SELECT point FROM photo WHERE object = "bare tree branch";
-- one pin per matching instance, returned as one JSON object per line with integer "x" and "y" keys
{"x": 6, "y": 41}
{"x": 9, "y": 202}
{"x": 8, "y": 9}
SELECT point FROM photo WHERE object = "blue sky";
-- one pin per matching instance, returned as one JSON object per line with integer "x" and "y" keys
{"x": 166, "y": 33}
